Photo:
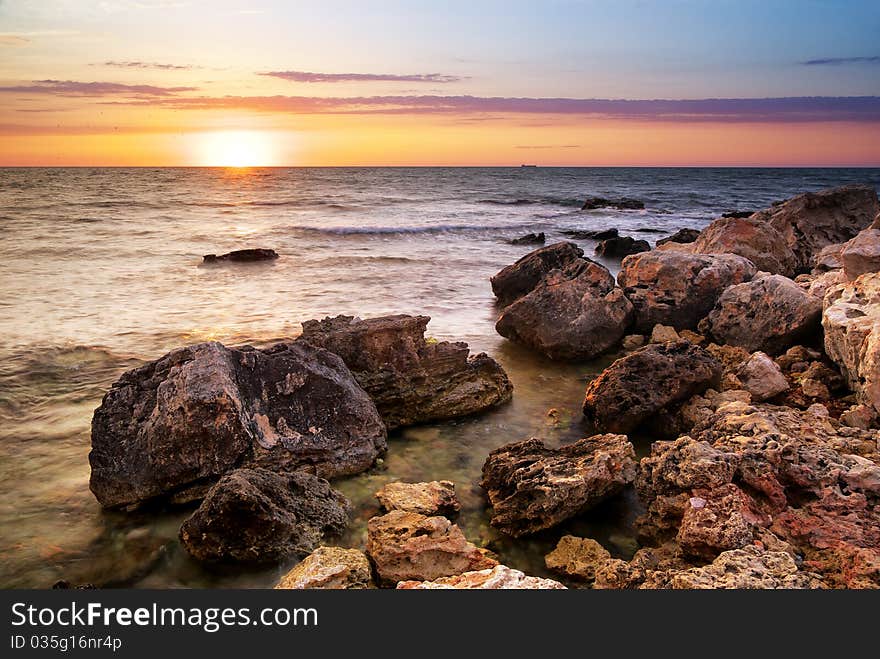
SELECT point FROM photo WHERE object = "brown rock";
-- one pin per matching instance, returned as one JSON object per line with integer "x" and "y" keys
{"x": 517, "y": 279}
{"x": 410, "y": 379}
{"x": 681, "y": 237}
{"x": 664, "y": 334}
{"x": 715, "y": 521}
{"x": 532, "y": 487}
{"x": 750, "y": 238}
{"x": 749, "y": 568}
{"x": 621, "y": 246}
{"x": 643, "y": 383}
{"x": 678, "y": 289}
{"x": 577, "y": 558}
{"x": 633, "y": 342}
{"x": 407, "y": 546}
{"x": 433, "y": 498}
{"x": 499, "y": 577}
{"x": 861, "y": 254}
{"x": 762, "y": 377}
{"x": 330, "y": 568}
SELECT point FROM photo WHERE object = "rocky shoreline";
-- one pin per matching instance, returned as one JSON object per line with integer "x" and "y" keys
{"x": 749, "y": 352}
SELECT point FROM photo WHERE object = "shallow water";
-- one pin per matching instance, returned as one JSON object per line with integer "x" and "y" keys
{"x": 100, "y": 269}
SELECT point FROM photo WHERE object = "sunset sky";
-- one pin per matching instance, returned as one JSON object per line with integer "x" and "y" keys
{"x": 229, "y": 82}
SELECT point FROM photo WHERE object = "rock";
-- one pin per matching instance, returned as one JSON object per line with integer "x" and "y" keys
{"x": 633, "y": 342}
{"x": 678, "y": 289}
{"x": 647, "y": 381}
{"x": 172, "y": 427}
{"x": 768, "y": 313}
{"x": 433, "y": 498}
{"x": 737, "y": 214}
{"x": 682, "y": 236}
{"x": 585, "y": 234}
{"x": 622, "y": 203}
{"x": 530, "y": 239}
{"x": 749, "y": 568}
{"x": 861, "y": 254}
{"x": 750, "y": 238}
{"x": 810, "y": 221}
{"x": 663, "y": 334}
{"x": 716, "y": 520}
{"x": 762, "y": 377}
{"x": 819, "y": 285}
{"x": 577, "y": 558}
{"x": 693, "y": 337}
{"x": 532, "y": 487}
{"x": 828, "y": 258}
{"x": 859, "y": 416}
{"x": 517, "y": 279}
{"x": 259, "y": 516}
{"x": 851, "y": 321}
{"x": 621, "y": 246}
{"x": 242, "y": 256}
{"x": 411, "y": 380}
{"x": 330, "y": 568}
{"x": 408, "y": 546}
{"x": 574, "y": 313}
{"x": 499, "y": 577}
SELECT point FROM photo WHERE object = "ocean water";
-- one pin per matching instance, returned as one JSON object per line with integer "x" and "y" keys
{"x": 101, "y": 269}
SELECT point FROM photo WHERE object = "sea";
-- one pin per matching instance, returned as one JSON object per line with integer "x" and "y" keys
{"x": 101, "y": 269}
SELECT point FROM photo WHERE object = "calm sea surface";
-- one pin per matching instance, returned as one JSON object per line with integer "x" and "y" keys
{"x": 100, "y": 269}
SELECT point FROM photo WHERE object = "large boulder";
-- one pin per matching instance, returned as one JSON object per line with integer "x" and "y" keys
{"x": 407, "y": 546}
{"x": 851, "y": 321}
{"x": 810, "y": 221}
{"x": 499, "y": 577}
{"x": 259, "y": 516}
{"x": 411, "y": 380}
{"x": 533, "y": 487}
{"x": 676, "y": 288}
{"x": 573, "y": 313}
{"x": 172, "y": 427}
{"x": 517, "y": 279}
{"x": 861, "y": 254}
{"x": 330, "y": 568}
{"x": 645, "y": 382}
{"x": 751, "y": 238}
{"x": 769, "y": 313}
{"x": 432, "y": 498}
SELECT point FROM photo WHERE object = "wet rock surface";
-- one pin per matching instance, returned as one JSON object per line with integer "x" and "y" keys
{"x": 519, "y": 278}
{"x": 682, "y": 236}
{"x": 530, "y": 239}
{"x": 621, "y": 246}
{"x": 620, "y": 203}
{"x": 242, "y": 256}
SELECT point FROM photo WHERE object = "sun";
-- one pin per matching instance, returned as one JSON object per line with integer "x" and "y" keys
{"x": 242, "y": 148}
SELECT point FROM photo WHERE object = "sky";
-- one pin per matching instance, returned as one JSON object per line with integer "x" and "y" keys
{"x": 574, "y": 82}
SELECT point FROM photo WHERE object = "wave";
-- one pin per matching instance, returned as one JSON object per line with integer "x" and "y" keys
{"x": 567, "y": 202}
{"x": 409, "y": 230}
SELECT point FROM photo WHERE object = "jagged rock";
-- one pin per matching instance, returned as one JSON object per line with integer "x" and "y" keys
{"x": 751, "y": 238}
{"x": 532, "y": 487}
{"x": 573, "y": 313}
{"x": 762, "y": 377}
{"x": 411, "y": 380}
{"x": 172, "y": 427}
{"x": 861, "y": 254}
{"x": 647, "y": 381}
{"x": 682, "y": 236}
{"x": 851, "y": 321}
{"x": 530, "y": 239}
{"x": 499, "y": 577}
{"x": 242, "y": 256}
{"x": 769, "y": 314}
{"x": 330, "y": 568}
{"x": 408, "y": 546}
{"x": 517, "y": 279}
{"x": 810, "y": 221}
{"x": 622, "y": 203}
{"x": 633, "y": 342}
{"x": 818, "y": 285}
{"x": 678, "y": 289}
{"x": 433, "y": 498}
{"x": 828, "y": 258}
{"x": 577, "y": 558}
{"x": 747, "y": 568}
{"x": 717, "y": 520}
{"x": 259, "y": 516}
{"x": 664, "y": 334}
{"x": 859, "y": 416}
{"x": 621, "y": 246}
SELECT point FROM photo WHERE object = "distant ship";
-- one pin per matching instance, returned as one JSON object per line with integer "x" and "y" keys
{"x": 528, "y": 165}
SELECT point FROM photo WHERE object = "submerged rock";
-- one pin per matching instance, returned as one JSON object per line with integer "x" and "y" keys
{"x": 408, "y": 546}
{"x": 573, "y": 313}
{"x": 532, "y": 487}
{"x": 517, "y": 279}
{"x": 682, "y": 236}
{"x": 638, "y": 386}
{"x": 433, "y": 498}
{"x": 769, "y": 313}
{"x": 242, "y": 256}
{"x": 751, "y": 238}
{"x": 530, "y": 239}
{"x": 621, "y": 203}
{"x": 676, "y": 288}
{"x": 410, "y": 379}
{"x": 577, "y": 558}
{"x": 172, "y": 427}
{"x": 595, "y": 234}
{"x": 621, "y": 246}
{"x": 499, "y": 577}
{"x": 259, "y": 516}
{"x": 330, "y": 568}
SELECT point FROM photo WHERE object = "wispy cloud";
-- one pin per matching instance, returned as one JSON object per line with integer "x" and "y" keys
{"x": 547, "y": 146}
{"x": 308, "y": 76}
{"x": 73, "y": 88}
{"x": 145, "y": 65}
{"x": 24, "y": 38}
{"x": 727, "y": 110}
{"x": 840, "y": 61}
